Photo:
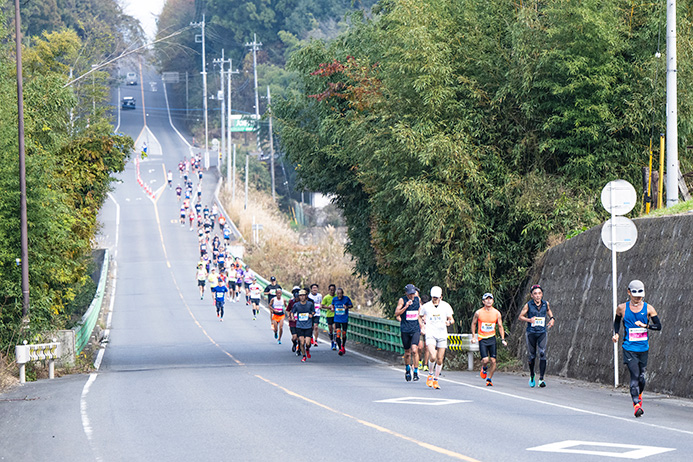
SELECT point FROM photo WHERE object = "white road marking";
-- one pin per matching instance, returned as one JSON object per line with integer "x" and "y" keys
{"x": 422, "y": 401}
{"x": 86, "y": 424}
{"x": 633, "y": 451}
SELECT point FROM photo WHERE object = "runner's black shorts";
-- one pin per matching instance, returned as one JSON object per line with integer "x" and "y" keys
{"x": 638, "y": 356}
{"x": 201, "y": 283}
{"x": 293, "y": 330}
{"x": 341, "y": 326}
{"x": 316, "y": 319}
{"x": 304, "y": 332}
{"x": 410, "y": 338}
{"x": 487, "y": 347}
{"x": 330, "y": 320}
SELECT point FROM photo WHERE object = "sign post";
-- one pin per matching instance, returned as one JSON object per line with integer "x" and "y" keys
{"x": 618, "y": 234}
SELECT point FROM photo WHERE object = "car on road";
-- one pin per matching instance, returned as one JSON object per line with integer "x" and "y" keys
{"x": 128, "y": 102}
{"x": 131, "y": 78}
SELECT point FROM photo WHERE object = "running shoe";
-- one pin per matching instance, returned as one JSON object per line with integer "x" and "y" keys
{"x": 298, "y": 352}
{"x": 279, "y": 342}
{"x": 315, "y": 344}
{"x": 435, "y": 384}
{"x": 531, "y": 382}
{"x": 489, "y": 383}
{"x": 483, "y": 373}
{"x": 425, "y": 368}
{"x": 416, "y": 376}
{"x": 253, "y": 318}
{"x": 303, "y": 360}
{"x": 308, "y": 354}
{"x": 407, "y": 376}
{"x": 542, "y": 384}
{"x": 341, "y": 352}
{"x": 638, "y": 409}
{"x": 221, "y": 320}
{"x": 275, "y": 335}
{"x": 420, "y": 365}
{"x": 293, "y": 348}
{"x": 334, "y": 346}
{"x": 429, "y": 380}
{"x": 202, "y": 297}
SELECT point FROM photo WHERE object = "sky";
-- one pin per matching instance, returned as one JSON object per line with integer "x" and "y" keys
{"x": 146, "y": 11}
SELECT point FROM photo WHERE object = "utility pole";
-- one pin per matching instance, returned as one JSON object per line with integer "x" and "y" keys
{"x": 271, "y": 140}
{"x": 24, "y": 230}
{"x": 247, "y": 174}
{"x": 221, "y": 63}
{"x": 230, "y": 73}
{"x": 672, "y": 138}
{"x": 255, "y": 45}
{"x": 204, "y": 87}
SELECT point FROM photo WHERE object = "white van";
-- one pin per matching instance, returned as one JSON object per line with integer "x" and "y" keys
{"x": 131, "y": 78}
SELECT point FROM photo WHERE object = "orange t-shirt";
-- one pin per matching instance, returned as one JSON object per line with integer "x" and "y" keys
{"x": 487, "y": 322}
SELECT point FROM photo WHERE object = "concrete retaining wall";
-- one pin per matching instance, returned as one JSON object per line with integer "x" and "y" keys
{"x": 576, "y": 277}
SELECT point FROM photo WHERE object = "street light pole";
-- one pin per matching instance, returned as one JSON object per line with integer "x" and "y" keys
{"x": 204, "y": 89}
{"x": 24, "y": 231}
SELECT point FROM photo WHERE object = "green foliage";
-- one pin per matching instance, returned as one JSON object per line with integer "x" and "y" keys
{"x": 69, "y": 162}
{"x": 461, "y": 137}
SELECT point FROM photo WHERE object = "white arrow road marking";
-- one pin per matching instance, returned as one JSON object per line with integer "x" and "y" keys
{"x": 627, "y": 451}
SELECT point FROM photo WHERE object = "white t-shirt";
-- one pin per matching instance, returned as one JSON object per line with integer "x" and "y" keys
{"x": 317, "y": 300}
{"x": 435, "y": 318}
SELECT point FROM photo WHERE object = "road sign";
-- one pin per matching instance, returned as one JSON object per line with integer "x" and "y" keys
{"x": 624, "y": 235}
{"x": 618, "y": 197}
{"x": 170, "y": 77}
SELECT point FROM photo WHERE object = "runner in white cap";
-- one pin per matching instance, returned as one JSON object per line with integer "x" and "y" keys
{"x": 437, "y": 315}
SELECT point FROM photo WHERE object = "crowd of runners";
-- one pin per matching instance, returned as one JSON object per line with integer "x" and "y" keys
{"x": 423, "y": 326}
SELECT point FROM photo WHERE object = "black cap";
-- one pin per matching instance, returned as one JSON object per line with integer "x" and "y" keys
{"x": 273, "y": 278}
{"x": 410, "y": 289}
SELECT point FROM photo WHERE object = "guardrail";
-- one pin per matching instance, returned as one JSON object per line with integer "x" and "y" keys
{"x": 86, "y": 326}
{"x": 37, "y": 352}
{"x": 463, "y": 342}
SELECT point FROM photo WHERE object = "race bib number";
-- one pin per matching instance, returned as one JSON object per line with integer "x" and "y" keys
{"x": 278, "y": 312}
{"x": 538, "y": 322}
{"x": 412, "y": 315}
{"x": 340, "y": 311}
{"x": 317, "y": 310}
{"x": 303, "y": 317}
{"x": 487, "y": 327}
{"x": 220, "y": 295}
{"x": 637, "y": 334}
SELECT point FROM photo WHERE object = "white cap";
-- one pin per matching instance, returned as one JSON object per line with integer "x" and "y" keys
{"x": 637, "y": 288}
{"x": 436, "y": 292}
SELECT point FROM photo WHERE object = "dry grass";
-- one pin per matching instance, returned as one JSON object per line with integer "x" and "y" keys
{"x": 7, "y": 379}
{"x": 280, "y": 254}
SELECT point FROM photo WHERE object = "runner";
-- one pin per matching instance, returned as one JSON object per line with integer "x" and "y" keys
{"x": 636, "y": 315}
{"x": 179, "y": 191}
{"x": 219, "y": 292}
{"x": 254, "y": 292}
{"x": 213, "y": 279}
{"x": 227, "y": 235}
{"x": 222, "y": 222}
{"x": 316, "y": 297}
{"x": 278, "y": 309}
{"x": 247, "y": 280}
{"x": 170, "y": 179}
{"x": 269, "y": 292}
{"x": 329, "y": 313}
{"x": 183, "y": 212}
{"x": 437, "y": 315}
{"x": 341, "y": 305}
{"x": 535, "y": 313}
{"x": 292, "y": 321}
{"x": 487, "y": 318}
{"x": 201, "y": 279}
{"x": 238, "y": 279}
{"x": 410, "y": 328}
{"x": 303, "y": 311}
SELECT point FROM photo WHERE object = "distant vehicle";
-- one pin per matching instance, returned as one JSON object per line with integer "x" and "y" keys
{"x": 128, "y": 102}
{"x": 131, "y": 78}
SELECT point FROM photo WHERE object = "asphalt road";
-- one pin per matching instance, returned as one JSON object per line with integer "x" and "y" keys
{"x": 175, "y": 384}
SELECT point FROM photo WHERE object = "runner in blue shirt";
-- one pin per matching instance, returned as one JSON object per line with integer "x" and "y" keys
{"x": 219, "y": 293}
{"x": 341, "y": 305}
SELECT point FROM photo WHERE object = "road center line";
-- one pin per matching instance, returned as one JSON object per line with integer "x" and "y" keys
{"x": 86, "y": 424}
{"x": 379, "y": 428}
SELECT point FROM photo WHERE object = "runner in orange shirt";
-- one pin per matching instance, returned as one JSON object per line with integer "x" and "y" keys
{"x": 487, "y": 318}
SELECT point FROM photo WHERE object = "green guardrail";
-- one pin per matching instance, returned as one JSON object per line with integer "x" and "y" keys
{"x": 370, "y": 330}
{"x": 86, "y": 326}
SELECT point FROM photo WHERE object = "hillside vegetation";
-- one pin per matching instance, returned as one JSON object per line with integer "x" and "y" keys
{"x": 460, "y": 137}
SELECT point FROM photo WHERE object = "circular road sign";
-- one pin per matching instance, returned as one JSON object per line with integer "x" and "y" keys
{"x": 624, "y": 236}
{"x": 618, "y": 197}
